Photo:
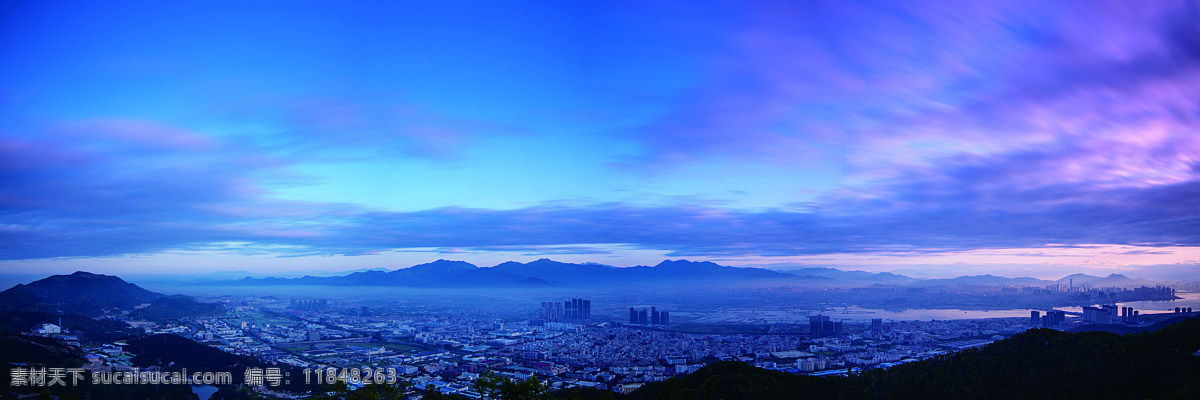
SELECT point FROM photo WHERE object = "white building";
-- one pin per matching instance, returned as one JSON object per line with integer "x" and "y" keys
{"x": 48, "y": 328}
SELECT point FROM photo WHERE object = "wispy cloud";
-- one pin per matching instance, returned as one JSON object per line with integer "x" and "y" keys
{"x": 117, "y": 214}
{"x": 533, "y": 251}
{"x": 987, "y": 126}
{"x": 336, "y": 128}
{"x": 873, "y": 85}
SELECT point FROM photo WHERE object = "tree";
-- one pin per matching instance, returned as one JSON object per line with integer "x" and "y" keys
{"x": 492, "y": 386}
{"x": 340, "y": 391}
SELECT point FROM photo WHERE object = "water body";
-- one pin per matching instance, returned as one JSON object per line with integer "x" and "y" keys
{"x": 1189, "y": 299}
{"x": 857, "y": 313}
{"x": 204, "y": 391}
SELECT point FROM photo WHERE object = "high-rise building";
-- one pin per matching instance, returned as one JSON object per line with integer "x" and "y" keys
{"x": 819, "y": 326}
{"x": 877, "y": 326}
{"x": 548, "y": 313}
{"x": 1055, "y": 318}
{"x": 310, "y": 305}
{"x": 1035, "y": 318}
{"x": 573, "y": 310}
{"x": 1102, "y": 315}
{"x": 652, "y": 316}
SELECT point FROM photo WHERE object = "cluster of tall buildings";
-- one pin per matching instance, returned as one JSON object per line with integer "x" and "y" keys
{"x": 1108, "y": 314}
{"x": 573, "y": 310}
{"x": 309, "y": 304}
{"x": 1128, "y": 314}
{"x": 820, "y": 326}
{"x": 653, "y": 317}
{"x": 1051, "y": 319}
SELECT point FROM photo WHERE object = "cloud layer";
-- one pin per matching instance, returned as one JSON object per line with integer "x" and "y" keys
{"x": 993, "y": 125}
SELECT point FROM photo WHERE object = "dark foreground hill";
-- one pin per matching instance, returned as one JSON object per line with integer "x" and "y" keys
{"x": 175, "y": 307}
{"x": 86, "y": 329}
{"x": 19, "y": 351}
{"x": 36, "y": 350}
{"x": 92, "y": 295}
{"x": 80, "y": 293}
{"x": 1037, "y": 364}
{"x": 166, "y": 352}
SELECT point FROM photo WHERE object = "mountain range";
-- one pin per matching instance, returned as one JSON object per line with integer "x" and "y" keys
{"x": 1110, "y": 280}
{"x": 93, "y": 294}
{"x": 535, "y": 274}
{"x": 545, "y": 273}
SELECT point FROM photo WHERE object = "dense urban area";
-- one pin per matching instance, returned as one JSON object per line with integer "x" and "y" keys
{"x": 565, "y": 345}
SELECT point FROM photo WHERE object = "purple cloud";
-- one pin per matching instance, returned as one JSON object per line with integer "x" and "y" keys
{"x": 816, "y": 82}
{"x": 963, "y": 206}
{"x": 983, "y": 126}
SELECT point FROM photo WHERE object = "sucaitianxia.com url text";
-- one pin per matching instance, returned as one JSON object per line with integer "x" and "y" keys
{"x": 45, "y": 376}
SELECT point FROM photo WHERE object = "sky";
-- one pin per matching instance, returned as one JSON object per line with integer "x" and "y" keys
{"x": 1024, "y": 138}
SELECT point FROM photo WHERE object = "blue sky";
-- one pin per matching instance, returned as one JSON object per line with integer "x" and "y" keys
{"x": 273, "y": 136}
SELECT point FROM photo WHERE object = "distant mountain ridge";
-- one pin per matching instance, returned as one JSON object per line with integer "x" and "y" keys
{"x": 538, "y": 273}
{"x": 986, "y": 280}
{"x": 90, "y": 294}
{"x": 859, "y": 276}
{"x": 1112, "y": 280}
{"x": 550, "y": 273}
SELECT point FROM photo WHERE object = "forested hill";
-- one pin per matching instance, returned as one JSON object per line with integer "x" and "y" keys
{"x": 1037, "y": 364}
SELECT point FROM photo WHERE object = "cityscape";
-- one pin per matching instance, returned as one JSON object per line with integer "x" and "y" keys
{"x": 574, "y": 342}
{"x": 599, "y": 200}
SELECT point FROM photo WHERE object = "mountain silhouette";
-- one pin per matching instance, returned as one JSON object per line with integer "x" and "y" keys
{"x": 549, "y": 273}
{"x": 82, "y": 293}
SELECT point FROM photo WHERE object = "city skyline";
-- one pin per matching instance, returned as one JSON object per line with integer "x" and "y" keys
{"x": 924, "y": 138}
